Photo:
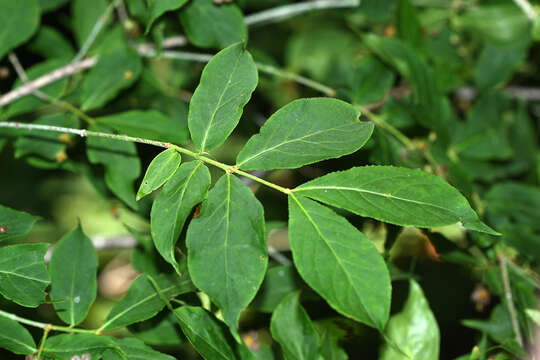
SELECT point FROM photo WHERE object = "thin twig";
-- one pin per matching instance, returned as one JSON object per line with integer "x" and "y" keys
{"x": 42, "y": 325}
{"x": 288, "y": 11}
{"x": 509, "y": 299}
{"x": 24, "y": 78}
{"x": 527, "y": 8}
{"x": 47, "y": 79}
{"x": 42, "y": 343}
{"x": 96, "y": 29}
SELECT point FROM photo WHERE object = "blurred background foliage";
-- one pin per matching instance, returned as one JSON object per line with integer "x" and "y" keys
{"x": 452, "y": 85}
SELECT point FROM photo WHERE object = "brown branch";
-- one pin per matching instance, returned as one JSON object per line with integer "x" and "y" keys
{"x": 509, "y": 299}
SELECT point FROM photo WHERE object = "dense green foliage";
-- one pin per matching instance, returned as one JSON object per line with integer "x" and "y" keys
{"x": 381, "y": 201}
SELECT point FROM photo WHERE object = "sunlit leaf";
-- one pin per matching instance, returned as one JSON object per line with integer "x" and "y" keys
{"x": 159, "y": 171}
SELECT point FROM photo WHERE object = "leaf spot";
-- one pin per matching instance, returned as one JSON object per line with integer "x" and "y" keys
{"x": 3, "y": 229}
{"x": 128, "y": 74}
{"x": 77, "y": 299}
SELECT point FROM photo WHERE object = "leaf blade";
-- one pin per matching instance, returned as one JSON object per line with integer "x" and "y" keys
{"x": 339, "y": 262}
{"x": 218, "y": 101}
{"x": 23, "y": 275}
{"x": 174, "y": 205}
{"x": 73, "y": 269}
{"x": 20, "y": 19}
{"x": 161, "y": 169}
{"x": 333, "y": 130}
{"x": 15, "y": 338}
{"x": 15, "y": 223}
{"x": 382, "y": 187}
{"x": 230, "y": 231}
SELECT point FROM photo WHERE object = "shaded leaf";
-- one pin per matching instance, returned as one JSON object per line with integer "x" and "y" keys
{"x": 63, "y": 347}
{"x": 15, "y": 338}
{"x": 156, "y": 8}
{"x": 279, "y": 281}
{"x": 15, "y": 223}
{"x": 408, "y": 24}
{"x": 113, "y": 73}
{"x": 50, "y": 43}
{"x": 135, "y": 349}
{"x": 414, "y": 330}
{"x": 148, "y": 124}
{"x": 303, "y": 132}
{"x": 204, "y": 333}
{"x": 49, "y": 145}
{"x": 185, "y": 189}
{"x": 292, "y": 328}
{"x": 162, "y": 329}
{"x": 142, "y": 301}
{"x": 73, "y": 270}
{"x": 330, "y": 334}
{"x": 226, "y": 85}
{"x": 339, "y": 262}
{"x": 210, "y": 25}
{"x": 498, "y": 326}
{"x": 395, "y": 195}
{"x": 497, "y": 63}
{"x": 48, "y": 5}
{"x": 85, "y": 14}
{"x": 159, "y": 171}
{"x": 23, "y": 275}
{"x": 122, "y": 165}
{"x": 227, "y": 254}
{"x": 19, "y": 19}
{"x": 370, "y": 80}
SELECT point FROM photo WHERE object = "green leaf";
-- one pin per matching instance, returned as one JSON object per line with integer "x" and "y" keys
{"x": 50, "y": 43}
{"x": 85, "y": 14}
{"x": 369, "y": 81}
{"x": 185, "y": 189}
{"x": 395, "y": 195}
{"x": 73, "y": 270}
{"x": 339, "y": 262}
{"x": 113, "y": 73}
{"x": 497, "y": 63}
{"x": 408, "y": 24}
{"x": 227, "y": 254}
{"x": 23, "y": 275}
{"x": 19, "y": 19}
{"x": 65, "y": 346}
{"x": 156, "y": 8}
{"x": 49, "y": 145}
{"x": 54, "y": 90}
{"x": 414, "y": 330}
{"x": 142, "y": 300}
{"x": 227, "y": 82}
{"x": 331, "y": 333}
{"x": 15, "y": 223}
{"x": 15, "y": 338}
{"x": 148, "y": 124}
{"x": 48, "y": 5}
{"x": 293, "y": 330}
{"x": 122, "y": 165}
{"x": 161, "y": 169}
{"x": 135, "y": 349}
{"x": 209, "y": 25}
{"x": 204, "y": 333}
{"x": 500, "y": 22}
{"x": 498, "y": 326}
{"x": 304, "y": 132}
{"x": 162, "y": 329}
{"x": 279, "y": 281}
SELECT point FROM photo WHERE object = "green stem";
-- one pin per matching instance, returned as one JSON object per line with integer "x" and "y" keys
{"x": 42, "y": 343}
{"x": 166, "y": 145}
{"x": 44, "y": 325}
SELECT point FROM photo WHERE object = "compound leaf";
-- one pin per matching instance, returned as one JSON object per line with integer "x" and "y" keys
{"x": 23, "y": 275}
{"x": 304, "y": 132}
{"x": 226, "y": 85}
{"x": 227, "y": 254}
{"x": 339, "y": 262}
{"x": 73, "y": 269}
{"x": 395, "y": 195}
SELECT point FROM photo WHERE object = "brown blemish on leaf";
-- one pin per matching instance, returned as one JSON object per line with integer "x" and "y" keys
{"x": 3, "y": 229}
{"x": 65, "y": 138}
{"x": 390, "y": 31}
{"x": 197, "y": 211}
{"x": 128, "y": 74}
